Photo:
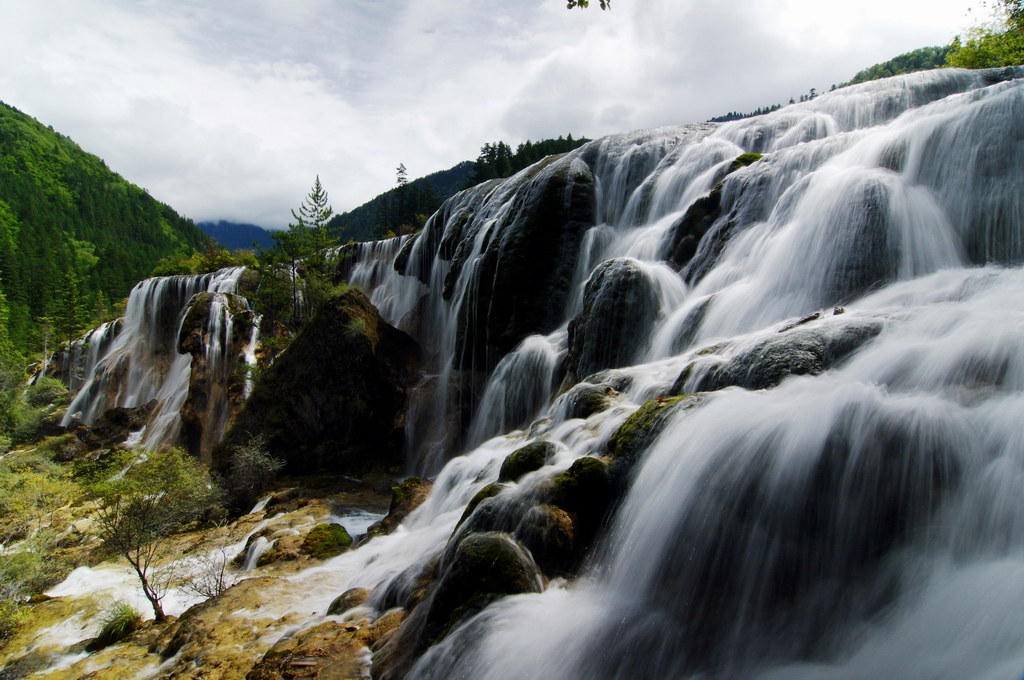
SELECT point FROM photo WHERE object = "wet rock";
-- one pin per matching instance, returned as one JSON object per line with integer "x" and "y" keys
{"x": 586, "y": 399}
{"x": 620, "y": 308}
{"x": 548, "y": 533}
{"x": 216, "y": 390}
{"x": 585, "y": 488}
{"x": 325, "y": 541}
{"x": 801, "y": 349}
{"x": 405, "y": 497}
{"x": 485, "y": 568}
{"x": 681, "y": 241}
{"x": 353, "y": 597}
{"x": 528, "y": 264}
{"x": 636, "y": 435}
{"x": 533, "y": 456}
{"x": 335, "y": 400}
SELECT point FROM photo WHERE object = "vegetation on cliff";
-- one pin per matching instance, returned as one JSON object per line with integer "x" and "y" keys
{"x": 74, "y": 236}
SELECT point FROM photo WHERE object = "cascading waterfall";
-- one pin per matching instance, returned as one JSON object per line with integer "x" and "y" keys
{"x": 842, "y": 498}
{"x": 143, "y": 362}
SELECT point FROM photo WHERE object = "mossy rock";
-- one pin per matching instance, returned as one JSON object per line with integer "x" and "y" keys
{"x": 586, "y": 399}
{"x": 353, "y": 597}
{"x": 405, "y": 497}
{"x": 326, "y": 540}
{"x": 584, "y": 488}
{"x": 485, "y": 567}
{"x": 743, "y": 160}
{"x": 489, "y": 491}
{"x": 335, "y": 401}
{"x": 547, "y": 531}
{"x": 533, "y": 456}
{"x": 640, "y": 429}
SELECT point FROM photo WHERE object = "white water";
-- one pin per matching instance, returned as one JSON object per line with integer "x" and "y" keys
{"x": 865, "y": 522}
{"x": 143, "y": 363}
{"x": 860, "y": 523}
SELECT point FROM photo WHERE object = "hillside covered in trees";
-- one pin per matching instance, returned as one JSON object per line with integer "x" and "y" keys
{"x": 74, "y": 236}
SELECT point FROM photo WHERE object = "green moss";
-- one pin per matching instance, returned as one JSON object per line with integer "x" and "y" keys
{"x": 326, "y": 540}
{"x": 637, "y": 432}
{"x": 489, "y": 491}
{"x": 743, "y": 160}
{"x": 531, "y": 457}
{"x": 584, "y": 487}
{"x": 401, "y": 492}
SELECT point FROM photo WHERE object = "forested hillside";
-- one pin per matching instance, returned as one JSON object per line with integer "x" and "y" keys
{"x": 74, "y": 236}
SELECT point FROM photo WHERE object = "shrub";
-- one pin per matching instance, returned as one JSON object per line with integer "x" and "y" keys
{"x": 11, "y": 617}
{"x": 46, "y": 391}
{"x": 252, "y": 470}
{"x": 120, "y": 621}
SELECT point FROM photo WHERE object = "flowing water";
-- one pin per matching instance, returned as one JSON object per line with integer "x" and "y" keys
{"x": 843, "y": 499}
{"x": 136, "y": 360}
{"x": 861, "y": 522}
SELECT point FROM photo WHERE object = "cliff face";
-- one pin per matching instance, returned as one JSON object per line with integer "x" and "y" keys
{"x": 334, "y": 401}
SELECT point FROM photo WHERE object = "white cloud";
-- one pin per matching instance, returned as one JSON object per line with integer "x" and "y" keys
{"x": 228, "y": 109}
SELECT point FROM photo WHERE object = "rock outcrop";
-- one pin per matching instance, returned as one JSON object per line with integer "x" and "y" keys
{"x": 334, "y": 401}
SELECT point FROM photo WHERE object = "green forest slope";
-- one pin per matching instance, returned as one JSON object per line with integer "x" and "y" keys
{"x": 74, "y": 236}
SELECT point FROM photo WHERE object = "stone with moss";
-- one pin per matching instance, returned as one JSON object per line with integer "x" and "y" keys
{"x": 353, "y": 597}
{"x": 533, "y": 456}
{"x": 489, "y": 491}
{"x": 326, "y": 540}
{"x": 547, "y": 531}
{"x": 405, "y": 497}
{"x": 743, "y": 160}
{"x": 486, "y": 566}
{"x": 584, "y": 488}
{"x": 640, "y": 429}
{"x": 335, "y": 401}
{"x": 586, "y": 399}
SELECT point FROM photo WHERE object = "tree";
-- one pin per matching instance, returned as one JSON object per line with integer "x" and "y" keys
{"x": 152, "y": 500}
{"x": 402, "y": 175}
{"x": 583, "y": 4}
{"x": 300, "y": 261}
{"x": 997, "y": 43}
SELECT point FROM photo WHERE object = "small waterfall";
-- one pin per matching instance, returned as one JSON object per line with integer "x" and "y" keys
{"x": 143, "y": 362}
{"x": 256, "y": 548}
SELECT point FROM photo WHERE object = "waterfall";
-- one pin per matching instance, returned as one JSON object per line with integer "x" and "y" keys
{"x": 143, "y": 362}
{"x": 842, "y": 497}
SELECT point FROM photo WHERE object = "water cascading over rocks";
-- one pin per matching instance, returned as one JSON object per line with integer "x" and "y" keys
{"x": 844, "y": 490}
{"x": 178, "y": 346}
{"x": 718, "y": 414}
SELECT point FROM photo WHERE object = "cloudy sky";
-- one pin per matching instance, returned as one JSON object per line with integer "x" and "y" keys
{"x": 228, "y": 109}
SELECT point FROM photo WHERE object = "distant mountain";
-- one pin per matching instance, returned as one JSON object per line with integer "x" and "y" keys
{"x": 237, "y": 235}
{"x": 74, "y": 236}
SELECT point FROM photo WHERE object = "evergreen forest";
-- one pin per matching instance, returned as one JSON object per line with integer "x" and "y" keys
{"x": 74, "y": 236}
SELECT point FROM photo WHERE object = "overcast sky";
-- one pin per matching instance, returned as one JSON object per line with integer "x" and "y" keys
{"x": 228, "y": 109}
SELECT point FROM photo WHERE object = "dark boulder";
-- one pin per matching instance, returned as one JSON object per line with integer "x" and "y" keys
{"x": 335, "y": 400}
{"x": 800, "y": 349}
{"x": 533, "y": 456}
{"x": 405, "y": 497}
{"x": 620, "y": 308}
